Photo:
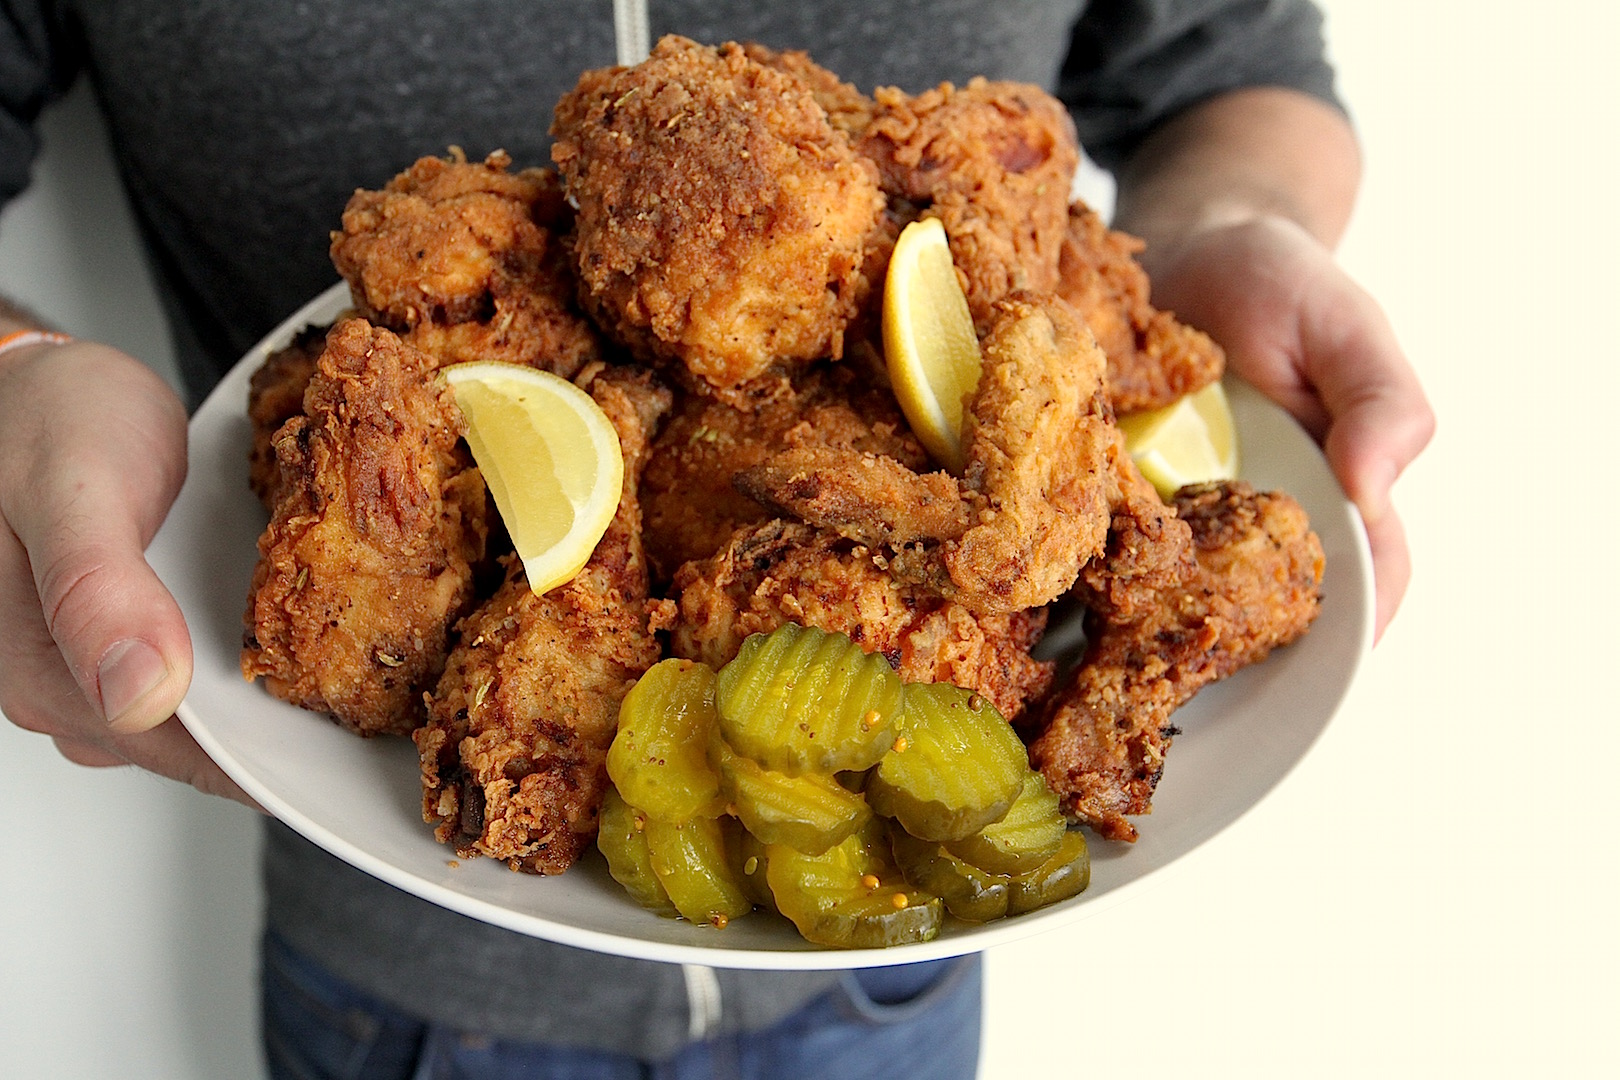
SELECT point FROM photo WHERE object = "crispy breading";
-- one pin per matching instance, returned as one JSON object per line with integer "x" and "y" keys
{"x": 993, "y": 161}
{"x": 276, "y": 395}
{"x": 368, "y": 559}
{"x": 723, "y": 223}
{"x": 1032, "y": 504}
{"x": 780, "y": 572}
{"x": 466, "y": 261}
{"x": 1256, "y": 586}
{"x": 691, "y": 503}
{"x": 1153, "y": 359}
{"x": 514, "y": 752}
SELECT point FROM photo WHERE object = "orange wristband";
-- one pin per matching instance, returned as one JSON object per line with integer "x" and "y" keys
{"x": 19, "y": 339}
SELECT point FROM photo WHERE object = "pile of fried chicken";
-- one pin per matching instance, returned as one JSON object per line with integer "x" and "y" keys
{"x": 706, "y": 260}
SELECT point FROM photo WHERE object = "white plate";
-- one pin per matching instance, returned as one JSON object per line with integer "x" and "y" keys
{"x": 360, "y": 798}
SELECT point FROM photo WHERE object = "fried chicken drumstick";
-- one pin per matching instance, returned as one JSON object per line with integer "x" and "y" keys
{"x": 1255, "y": 586}
{"x": 368, "y": 559}
{"x": 515, "y": 747}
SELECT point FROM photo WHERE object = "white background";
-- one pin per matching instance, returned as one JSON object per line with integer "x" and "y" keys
{"x": 1431, "y": 893}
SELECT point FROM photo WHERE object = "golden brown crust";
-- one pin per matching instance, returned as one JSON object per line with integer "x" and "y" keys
{"x": 1255, "y": 586}
{"x": 1153, "y": 359}
{"x": 369, "y": 557}
{"x": 723, "y": 222}
{"x": 514, "y": 751}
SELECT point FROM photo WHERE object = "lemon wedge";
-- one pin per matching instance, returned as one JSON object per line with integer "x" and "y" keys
{"x": 929, "y": 346}
{"x": 551, "y": 459}
{"x": 1190, "y": 441}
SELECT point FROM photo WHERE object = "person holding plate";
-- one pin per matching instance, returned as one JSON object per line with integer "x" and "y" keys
{"x": 241, "y": 129}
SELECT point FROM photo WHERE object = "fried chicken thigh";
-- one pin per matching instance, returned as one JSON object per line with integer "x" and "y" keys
{"x": 723, "y": 223}
{"x": 514, "y": 751}
{"x": 466, "y": 261}
{"x": 1254, "y": 586}
{"x": 368, "y": 559}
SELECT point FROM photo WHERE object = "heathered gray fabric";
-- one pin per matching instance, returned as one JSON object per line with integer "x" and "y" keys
{"x": 242, "y": 127}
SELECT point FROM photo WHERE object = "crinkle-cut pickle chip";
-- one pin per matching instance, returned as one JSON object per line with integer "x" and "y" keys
{"x": 956, "y": 767}
{"x": 748, "y": 861}
{"x": 622, "y": 839}
{"x": 801, "y": 699}
{"x": 1067, "y": 873}
{"x": 1022, "y": 840}
{"x": 658, "y": 759}
{"x": 691, "y": 863}
{"x": 968, "y": 892}
{"x": 851, "y": 896}
{"x": 811, "y": 812}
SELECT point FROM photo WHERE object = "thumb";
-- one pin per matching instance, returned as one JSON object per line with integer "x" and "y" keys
{"x": 97, "y": 489}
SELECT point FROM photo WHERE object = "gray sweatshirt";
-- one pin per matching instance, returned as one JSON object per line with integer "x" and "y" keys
{"x": 241, "y": 127}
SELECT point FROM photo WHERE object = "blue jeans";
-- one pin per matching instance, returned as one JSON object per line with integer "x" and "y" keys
{"x": 921, "y": 1021}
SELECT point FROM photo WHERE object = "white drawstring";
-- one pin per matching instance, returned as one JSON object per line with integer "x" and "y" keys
{"x": 631, "y": 38}
{"x": 702, "y": 1000}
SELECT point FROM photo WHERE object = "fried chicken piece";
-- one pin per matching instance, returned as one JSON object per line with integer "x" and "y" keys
{"x": 1033, "y": 499}
{"x": 1256, "y": 586}
{"x": 723, "y": 223}
{"x": 466, "y": 261}
{"x": 849, "y": 110}
{"x": 690, "y": 501}
{"x": 781, "y": 572}
{"x": 276, "y": 395}
{"x": 514, "y": 752}
{"x": 368, "y": 559}
{"x": 1152, "y": 358}
{"x": 993, "y": 161}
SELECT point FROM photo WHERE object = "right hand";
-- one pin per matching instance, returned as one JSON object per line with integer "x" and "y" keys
{"x": 95, "y": 652}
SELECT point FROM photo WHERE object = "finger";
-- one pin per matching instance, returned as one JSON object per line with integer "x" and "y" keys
{"x": 1381, "y": 419}
{"x": 169, "y": 750}
{"x": 1392, "y": 569}
{"x": 95, "y": 494}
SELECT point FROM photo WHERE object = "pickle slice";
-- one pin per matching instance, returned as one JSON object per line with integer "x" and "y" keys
{"x": 622, "y": 840}
{"x": 1025, "y": 838}
{"x": 801, "y": 699}
{"x": 658, "y": 759}
{"x": 811, "y": 812}
{"x": 851, "y": 896}
{"x": 691, "y": 864}
{"x": 968, "y": 892}
{"x": 748, "y": 859}
{"x": 1065, "y": 874}
{"x": 956, "y": 767}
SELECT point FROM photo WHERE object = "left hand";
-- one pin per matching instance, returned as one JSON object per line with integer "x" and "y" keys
{"x": 1299, "y": 329}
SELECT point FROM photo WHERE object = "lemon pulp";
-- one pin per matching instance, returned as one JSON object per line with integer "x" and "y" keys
{"x": 1190, "y": 441}
{"x": 550, "y": 458}
{"x": 929, "y": 346}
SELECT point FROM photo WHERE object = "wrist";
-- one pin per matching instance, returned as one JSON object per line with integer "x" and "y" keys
{"x": 30, "y": 337}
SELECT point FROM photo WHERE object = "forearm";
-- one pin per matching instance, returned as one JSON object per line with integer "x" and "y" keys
{"x": 1243, "y": 155}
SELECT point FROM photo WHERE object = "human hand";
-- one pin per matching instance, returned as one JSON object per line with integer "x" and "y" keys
{"x": 95, "y": 653}
{"x": 1298, "y": 328}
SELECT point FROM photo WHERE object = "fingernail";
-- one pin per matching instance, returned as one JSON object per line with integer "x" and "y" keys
{"x": 129, "y": 671}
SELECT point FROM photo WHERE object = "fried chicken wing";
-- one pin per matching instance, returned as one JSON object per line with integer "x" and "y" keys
{"x": 368, "y": 559}
{"x": 1032, "y": 506}
{"x": 1153, "y": 359}
{"x": 780, "y": 572}
{"x": 466, "y": 261}
{"x": 723, "y": 223}
{"x": 514, "y": 752}
{"x": 994, "y": 162}
{"x": 1255, "y": 587}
